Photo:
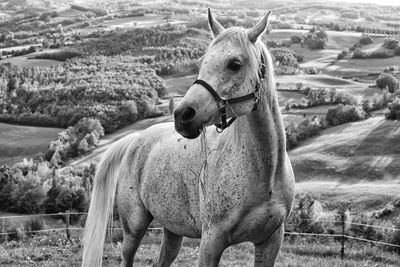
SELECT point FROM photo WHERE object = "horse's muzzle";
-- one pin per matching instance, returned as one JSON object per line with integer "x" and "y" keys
{"x": 185, "y": 123}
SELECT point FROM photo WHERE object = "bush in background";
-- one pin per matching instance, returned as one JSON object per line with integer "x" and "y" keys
{"x": 345, "y": 113}
{"x": 74, "y": 141}
{"x": 302, "y": 131}
{"x": 387, "y": 80}
{"x": 366, "y": 40}
{"x": 391, "y": 43}
{"x": 296, "y": 39}
{"x": 394, "y": 110}
{"x": 59, "y": 56}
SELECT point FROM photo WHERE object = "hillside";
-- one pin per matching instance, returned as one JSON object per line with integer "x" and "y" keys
{"x": 368, "y": 150}
{"x": 18, "y": 142}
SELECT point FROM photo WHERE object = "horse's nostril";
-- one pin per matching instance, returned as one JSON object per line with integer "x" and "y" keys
{"x": 188, "y": 115}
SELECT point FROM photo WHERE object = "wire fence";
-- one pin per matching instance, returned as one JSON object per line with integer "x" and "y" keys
{"x": 343, "y": 235}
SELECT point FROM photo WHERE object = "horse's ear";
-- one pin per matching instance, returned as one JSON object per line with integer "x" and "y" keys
{"x": 259, "y": 28}
{"x": 215, "y": 27}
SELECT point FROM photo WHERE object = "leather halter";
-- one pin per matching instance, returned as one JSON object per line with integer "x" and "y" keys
{"x": 223, "y": 102}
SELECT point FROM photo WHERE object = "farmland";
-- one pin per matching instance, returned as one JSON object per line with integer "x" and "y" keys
{"x": 18, "y": 142}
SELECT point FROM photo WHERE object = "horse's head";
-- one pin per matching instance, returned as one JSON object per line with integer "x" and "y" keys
{"x": 228, "y": 79}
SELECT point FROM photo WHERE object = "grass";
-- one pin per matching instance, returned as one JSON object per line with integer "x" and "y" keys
{"x": 355, "y": 67}
{"x": 18, "y": 142}
{"x": 325, "y": 81}
{"x": 25, "y": 61}
{"x": 178, "y": 86}
{"x": 55, "y": 250}
{"x": 149, "y": 20}
{"x": 337, "y": 41}
{"x": 368, "y": 150}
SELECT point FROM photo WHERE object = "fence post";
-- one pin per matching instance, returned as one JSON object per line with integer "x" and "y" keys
{"x": 342, "y": 217}
{"x": 67, "y": 217}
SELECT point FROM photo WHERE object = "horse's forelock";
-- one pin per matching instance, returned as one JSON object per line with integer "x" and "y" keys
{"x": 254, "y": 51}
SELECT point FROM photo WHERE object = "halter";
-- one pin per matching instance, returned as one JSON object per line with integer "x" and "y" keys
{"x": 222, "y": 103}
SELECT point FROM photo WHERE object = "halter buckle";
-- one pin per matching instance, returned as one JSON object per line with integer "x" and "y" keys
{"x": 222, "y": 103}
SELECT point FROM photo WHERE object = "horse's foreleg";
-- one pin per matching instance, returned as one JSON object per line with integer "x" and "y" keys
{"x": 211, "y": 248}
{"x": 170, "y": 246}
{"x": 133, "y": 232}
{"x": 266, "y": 252}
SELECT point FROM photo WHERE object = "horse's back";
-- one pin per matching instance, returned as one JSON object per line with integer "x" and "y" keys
{"x": 162, "y": 169}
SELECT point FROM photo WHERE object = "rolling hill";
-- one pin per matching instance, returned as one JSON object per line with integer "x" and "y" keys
{"x": 18, "y": 142}
{"x": 367, "y": 150}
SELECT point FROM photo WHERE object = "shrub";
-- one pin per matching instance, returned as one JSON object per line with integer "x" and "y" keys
{"x": 366, "y": 40}
{"x": 359, "y": 53}
{"x": 305, "y": 214}
{"x": 397, "y": 51}
{"x": 345, "y": 113}
{"x": 303, "y": 130}
{"x": 317, "y": 44}
{"x": 344, "y": 98}
{"x": 299, "y": 58}
{"x": 389, "y": 81}
{"x": 59, "y": 56}
{"x": 396, "y": 236}
{"x": 310, "y": 70}
{"x": 285, "y": 56}
{"x": 341, "y": 55}
{"x": 391, "y": 43}
{"x": 76, "y": 140}
{"x": 394, "y": 110}
{"x": 34, "y": 224}
{"x": 296, "y": 39}
{"x": 379, "y": 54}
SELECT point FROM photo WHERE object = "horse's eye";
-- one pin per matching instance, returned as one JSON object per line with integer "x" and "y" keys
{"x": 234, "y": 65}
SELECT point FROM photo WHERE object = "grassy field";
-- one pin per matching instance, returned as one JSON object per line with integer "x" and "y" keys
{"x": 178, "y": 86}
{"x": 56, "y": 251}
{"x": 355, "y": 67}
{"x": 18, "y": 142}
{"x": 29, "y": 60}
{"x": 337, "y": 41}
{"x": 148, "y": 20}
{"x": 26, "y": 61}
{"x": 368, "y": 150}
{"x": 361, "y": 90}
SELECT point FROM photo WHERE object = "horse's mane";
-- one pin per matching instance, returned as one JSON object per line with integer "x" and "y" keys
{"x": 254, "y": 51}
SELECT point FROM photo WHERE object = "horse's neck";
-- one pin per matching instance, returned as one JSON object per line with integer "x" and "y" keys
{"x": 261, "y": 136}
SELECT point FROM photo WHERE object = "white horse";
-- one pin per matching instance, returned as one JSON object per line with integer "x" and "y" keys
{"x": 225, "y": 188}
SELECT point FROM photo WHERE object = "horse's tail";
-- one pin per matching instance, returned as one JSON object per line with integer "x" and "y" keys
{"x": 101, "y": 204}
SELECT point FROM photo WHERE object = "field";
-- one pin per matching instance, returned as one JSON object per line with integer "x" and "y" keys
{"x": 360, "y": 67}
{"x": 18, "y": 142}
{"x": 356, "y": 152}
{"x": 148, "y": 20}
{"x": 337, "y": 41}
{"x": 56, "y": 251}
{"x": 28, "y": 60}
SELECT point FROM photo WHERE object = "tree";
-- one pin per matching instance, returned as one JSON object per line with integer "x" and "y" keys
{"x": 296, "y": 39}
{"x": 171, "y": 105}
{"x": 60, "y": 29}
{"x": 45, "y": 43}
{"x": 387, "y": 80}
{"x": 83, "y": 146}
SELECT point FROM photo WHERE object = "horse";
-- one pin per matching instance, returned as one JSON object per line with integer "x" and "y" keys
{"x": 219, "y": 172}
